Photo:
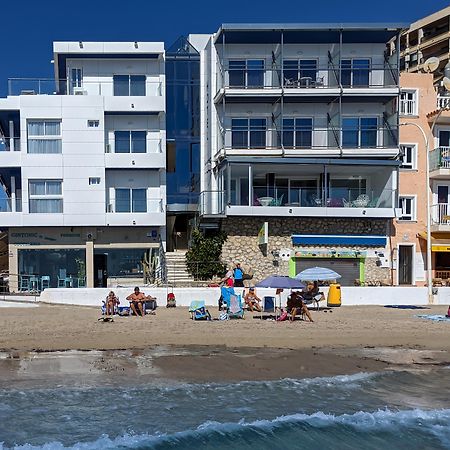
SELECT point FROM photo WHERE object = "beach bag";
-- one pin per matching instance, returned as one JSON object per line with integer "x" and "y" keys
{"x": 223, "y": 316}
{"x": 229, "y": 282}
{"x": 171, "y": 303}
{"x": 283, "y": 317}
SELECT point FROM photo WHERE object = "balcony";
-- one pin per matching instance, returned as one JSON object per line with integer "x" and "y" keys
{"x": 8, "y": 205}
{"x": 366, "y": 141}
{"x": 103, "y": 87}
{"x": 440, "y": 163}
{"x": 246, "y": 78}
{"x": 440, "y": 217}
{"x": 153, "y": 157}
{"x": 150, "y": 212}
{"x": 8, "y": 144}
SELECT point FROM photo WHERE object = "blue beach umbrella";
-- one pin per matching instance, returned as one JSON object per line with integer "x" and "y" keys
{"x": 317, "y": 274}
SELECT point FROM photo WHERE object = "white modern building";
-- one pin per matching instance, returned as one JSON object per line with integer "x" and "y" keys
{"x": 82, "y": 167}
{"x": 300, "y": 123}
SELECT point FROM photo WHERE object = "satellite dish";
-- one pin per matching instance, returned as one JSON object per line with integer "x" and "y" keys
{"x": 431, "y": 64}
{"x": 446, "y": 83}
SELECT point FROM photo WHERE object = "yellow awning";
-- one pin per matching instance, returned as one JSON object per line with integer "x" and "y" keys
{"x": 440, "y": 242}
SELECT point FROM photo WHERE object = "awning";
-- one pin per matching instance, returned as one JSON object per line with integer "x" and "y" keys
{"x": 440, "y": 242}
{"x": 344, "y": 240}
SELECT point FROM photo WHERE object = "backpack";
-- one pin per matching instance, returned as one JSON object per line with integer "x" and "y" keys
{"x": 171, "y": 303}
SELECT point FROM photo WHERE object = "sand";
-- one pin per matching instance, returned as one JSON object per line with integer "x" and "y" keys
{"x": 170, "y": 345}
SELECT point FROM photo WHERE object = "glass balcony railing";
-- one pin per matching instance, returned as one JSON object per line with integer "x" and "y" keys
{"x": 9, "y": 144}
{"x": 9, "y": 205}
{"x": 136, "y": 207}
{"x": 49, "y": 86}
{"x": 440, "y": 158}
{"x": 242, "y": 76}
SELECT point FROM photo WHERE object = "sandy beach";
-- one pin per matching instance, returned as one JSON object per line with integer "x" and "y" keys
{"x": 169, "y": 345}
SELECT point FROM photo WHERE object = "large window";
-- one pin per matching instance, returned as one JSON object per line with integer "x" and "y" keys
{"x": 44, "y": 136}
{"x": 248, "y": 133}
{"x": 359, "y": 132}
{"x": 123, "y": 262}
{"x": 408, "y": 103}
{"x": 297, "y": 133}
{"x": 355, "y": 72}
{"x": 45, "y": 196}
{"x": 246, "y": 73}
{"x": 129, "y": 85}
{"x": 303, "y": 71}
{"x": 130, "y": 141}
{"x": 407, "y": 204}
{"x": 131, "y": 200}
{"x": 408, "y": 156}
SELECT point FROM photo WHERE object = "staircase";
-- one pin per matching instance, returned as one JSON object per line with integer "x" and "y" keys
{"x": 177, "y": 273}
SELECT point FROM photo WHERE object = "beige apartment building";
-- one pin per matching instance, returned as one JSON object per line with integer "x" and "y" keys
{"x": 427, "y": 37}
{"x": 420, "y": 105}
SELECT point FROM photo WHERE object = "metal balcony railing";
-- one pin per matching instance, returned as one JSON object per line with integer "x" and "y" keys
{"x": 440, "y": 214}
{"x": 443, "y": 102}
{"x": 440, "y": 158}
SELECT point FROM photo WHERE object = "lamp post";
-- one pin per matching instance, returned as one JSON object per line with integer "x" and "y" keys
{"x": 428, "y": 206}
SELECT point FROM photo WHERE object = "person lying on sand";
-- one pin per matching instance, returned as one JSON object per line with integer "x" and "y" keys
{"x": 295, "y": 304}
{"x": 137, "y": 300}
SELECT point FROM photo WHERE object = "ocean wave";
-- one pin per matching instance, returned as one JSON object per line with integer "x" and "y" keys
{"x": 434, "y": 422}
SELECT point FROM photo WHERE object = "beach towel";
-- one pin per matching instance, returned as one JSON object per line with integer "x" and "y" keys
{"x": 434, "y": 317}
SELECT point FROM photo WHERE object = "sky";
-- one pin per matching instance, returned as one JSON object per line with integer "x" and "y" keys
{"x": 28, "y": 27}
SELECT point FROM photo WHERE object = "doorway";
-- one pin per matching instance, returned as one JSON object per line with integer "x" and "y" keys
{"x": 405, "y": 264}
{"x": 100, "y": 270}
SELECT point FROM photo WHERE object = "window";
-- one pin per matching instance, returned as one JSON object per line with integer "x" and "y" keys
{"x": 408, "y": 103}
{"x": 44, "y": 136}
{"x": 93, "y": 123}
{"x": 246, "y": 73}
{"x": 130, "y": 141}
{"x": 409, "y": 156}
{"x": 355, "y": 72}
{"x": 124, "y": 262}
{"x": 297, "y": 133}
{"x": 408, "y": 206}
{"x": 359, "y": 132}
{"x": 131, "y": 200}
{"x": 248, "y": 133}
{"x": 303, "y": 70}
{"x": 94, "y": 180}
{"x": 129, "y": 85}
{"x": 45, "y": 196}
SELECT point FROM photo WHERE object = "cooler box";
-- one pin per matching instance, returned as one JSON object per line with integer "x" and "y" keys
{"x": 334, "y": 295}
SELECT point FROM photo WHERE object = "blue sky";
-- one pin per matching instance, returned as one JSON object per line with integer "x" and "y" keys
{"x": 28, "y": 27}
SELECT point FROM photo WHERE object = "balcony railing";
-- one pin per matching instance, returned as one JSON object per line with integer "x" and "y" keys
{"x": 215, "y": 202}
{"x": 443, "y": 102}
{"x": 440, "y": 158}
{"x": 440, "y": 214}
{"x": 307, "y": 138}
{"x": 9, "y": 144}
{"x": 322, "y": 76}
{"x": 152, "y": 146}
{"x": 145, "y": 207}
{"x": 49, "y": 86}
{"x": 9, "y": 205}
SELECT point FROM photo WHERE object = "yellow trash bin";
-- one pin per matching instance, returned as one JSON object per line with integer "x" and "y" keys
{"x": 334, "y": 295}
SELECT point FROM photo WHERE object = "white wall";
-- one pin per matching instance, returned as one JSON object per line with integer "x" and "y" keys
{"x": 350, "y": 295}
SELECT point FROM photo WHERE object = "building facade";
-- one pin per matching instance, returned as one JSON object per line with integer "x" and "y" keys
{"x": 300, "y": 146}
{"x": 83, "y": 167}
{"x": 426, "y": 38}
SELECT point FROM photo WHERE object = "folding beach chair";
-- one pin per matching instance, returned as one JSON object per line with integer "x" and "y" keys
{"x": 235, "y": 307}
{"x": 198, "y": 310}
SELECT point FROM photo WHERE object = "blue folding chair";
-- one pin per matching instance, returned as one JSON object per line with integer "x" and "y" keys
{"x": 269, "y": 304}
{"x": 233, "y": 302}
{"x": 198, "y": 310}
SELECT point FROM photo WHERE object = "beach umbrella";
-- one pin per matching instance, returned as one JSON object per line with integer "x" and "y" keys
{"x": 281, "y": 282}
{"x": 317, "y": 274}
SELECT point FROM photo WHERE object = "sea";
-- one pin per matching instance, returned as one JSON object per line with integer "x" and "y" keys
{"x": 385, "y": 410}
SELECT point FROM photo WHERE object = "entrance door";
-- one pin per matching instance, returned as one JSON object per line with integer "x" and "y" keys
{"x": 100, "y": 270}
{"x": 405, "y": 264}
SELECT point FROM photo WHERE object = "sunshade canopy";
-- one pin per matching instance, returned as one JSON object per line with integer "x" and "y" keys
{"x": 317, "y": 274}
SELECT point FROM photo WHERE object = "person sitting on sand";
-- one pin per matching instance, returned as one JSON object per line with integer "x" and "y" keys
{"x": 252, "y": 300}
{"x": 295, "y": 304}
{"x": 110, "y": 303}
{"x": 137, "y": 300}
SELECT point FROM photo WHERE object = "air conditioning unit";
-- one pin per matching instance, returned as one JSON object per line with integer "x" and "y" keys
{"x": 79, "y": 91}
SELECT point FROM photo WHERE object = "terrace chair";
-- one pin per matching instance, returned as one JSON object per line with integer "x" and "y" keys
{"x": 34, "y": 284}
{"x": 277, "y": 201}
{"x": 198, "y": 310}
{"x": 346, "y": 203}
{"x": 24, "y": 283}
{"x": 233, "y": 302}
{"x": 45, "y": 282}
